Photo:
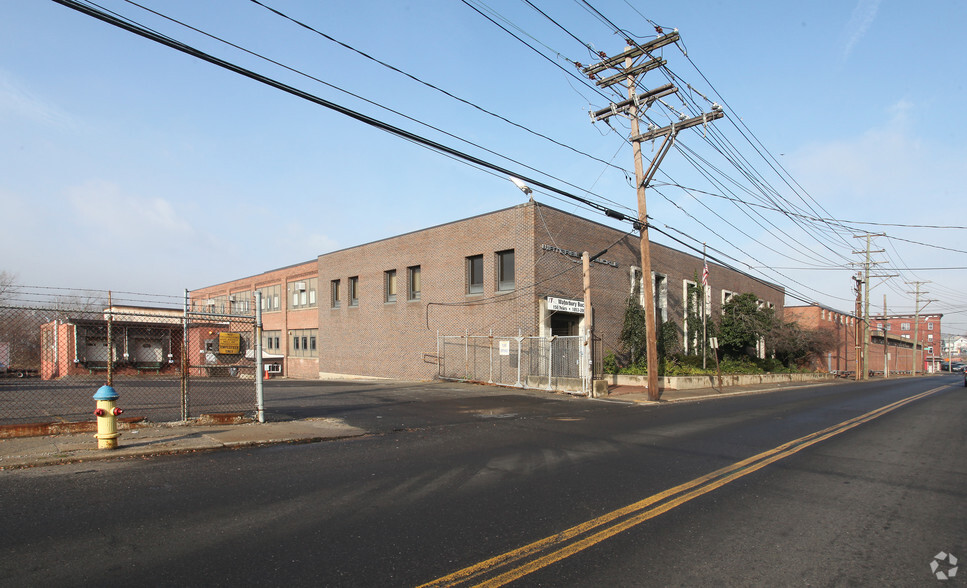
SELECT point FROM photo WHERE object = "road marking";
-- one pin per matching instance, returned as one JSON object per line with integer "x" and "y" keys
{"x": 510, "y": 566}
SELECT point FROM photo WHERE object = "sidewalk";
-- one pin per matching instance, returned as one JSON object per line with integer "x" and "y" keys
{"x": 639, "y": 394}
{"x": 166, "y": 438}
{"x": 169, "y": 438}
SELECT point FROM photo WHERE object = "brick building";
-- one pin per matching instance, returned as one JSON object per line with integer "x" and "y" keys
{"x": 905, "y": 326}
{"x": 887, "y": 351}
{"x": 376, "y": 309}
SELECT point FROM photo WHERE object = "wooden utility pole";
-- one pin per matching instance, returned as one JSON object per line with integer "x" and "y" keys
{"x": 588, "y": 323}
{"x": 886, "y": 347}
{"x": 866, "y": 298}
{"x": 916, "y": 324}
{"x": 628, "y": 71}
{"x": 857, "y": 349}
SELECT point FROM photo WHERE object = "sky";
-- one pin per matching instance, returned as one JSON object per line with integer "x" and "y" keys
{"x": 129, "y": 166}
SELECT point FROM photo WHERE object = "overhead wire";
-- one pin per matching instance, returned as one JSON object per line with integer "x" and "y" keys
{"x": 368, "y": 120}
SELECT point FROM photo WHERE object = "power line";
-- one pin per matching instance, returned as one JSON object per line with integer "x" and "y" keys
{"x": 368, "y": 120}
{"x": 428, "y": 84}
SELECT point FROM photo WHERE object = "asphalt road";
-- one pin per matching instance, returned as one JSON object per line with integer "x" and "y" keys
{"x": 783, "y": 488}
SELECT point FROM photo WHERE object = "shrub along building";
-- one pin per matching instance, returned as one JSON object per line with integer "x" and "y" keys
{"x": 377, "y": 309}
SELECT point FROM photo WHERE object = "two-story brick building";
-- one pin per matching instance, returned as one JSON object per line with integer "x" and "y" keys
{"x": 377, "y": 309}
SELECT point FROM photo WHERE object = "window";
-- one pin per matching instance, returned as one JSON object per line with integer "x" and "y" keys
{"x": 413, "y": 283}
{"x": 475, "y": 274}
{"x": 389, "y": 286}
{"x": 929, "y": 326}
{"x": 303, "y": 342}
{"x": 302, "y": 293}
{"x": 904, "y": 326}
{"x": 217, "y": 305}
{"x": 354, "y": 291}
{"x": 270, "y": 341}
{"x": 505, "y": 270}
{"x": 659, "y": 292}
{"x": 930, "y": 338}
{"x": 240, "y": 303}
{"x": 660, "y": 296}
{"x": 334, "y": 294}
{"x": 271, "y": 298}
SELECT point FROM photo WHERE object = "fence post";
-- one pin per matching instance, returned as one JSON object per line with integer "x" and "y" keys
{"x": 185, "y": 362}
{"x": 466, "y": 355}
{"x": 519, "y": 339}
{"x": 110, "y": 343}
{"x": 550, "y": 360}
{"x": 259, "y": 392}
{"x": 491, "y": 380}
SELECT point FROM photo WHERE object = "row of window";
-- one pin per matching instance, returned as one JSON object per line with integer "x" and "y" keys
{"x": 302, "y": 342}
{"x": 474, "y": 264}
{"x": 414, "y": 287}
{"x": 505, "y": 272}
{"x": 300, "y": 294}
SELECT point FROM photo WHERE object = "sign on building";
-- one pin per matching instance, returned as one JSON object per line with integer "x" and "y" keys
{"x": 565, "y": 305}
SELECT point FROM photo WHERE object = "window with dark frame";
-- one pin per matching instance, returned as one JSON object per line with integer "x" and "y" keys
{"x": 413, "y": 287}
{"x": 505, "y": 270}
{"x": 334, "y": 294}
{"x": 354, "y": 291}
{"x": 389, "y": 286}
{"x": 475, "y": 274}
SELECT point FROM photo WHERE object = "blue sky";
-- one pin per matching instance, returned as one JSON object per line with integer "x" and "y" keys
{"x": 129, "y": 166}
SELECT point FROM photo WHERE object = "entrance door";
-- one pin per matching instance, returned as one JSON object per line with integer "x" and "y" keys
{"x": 564, "y": 324}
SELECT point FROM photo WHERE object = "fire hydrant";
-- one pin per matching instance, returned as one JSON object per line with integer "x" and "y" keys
{"x": 107, "y": 418}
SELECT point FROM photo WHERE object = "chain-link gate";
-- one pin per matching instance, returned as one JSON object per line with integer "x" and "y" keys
{"x": 550, "y": 363}
{"x": 166, "y": 364}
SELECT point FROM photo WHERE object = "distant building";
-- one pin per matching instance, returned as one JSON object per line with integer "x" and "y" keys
{"x": 905, "y": 326}
{"x": 144, "y": 339}
{"x": 887, "y": 351}
{"x": 377, "y": 309}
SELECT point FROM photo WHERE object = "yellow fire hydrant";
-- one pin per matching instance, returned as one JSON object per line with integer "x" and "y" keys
{"x": 107, "y": 418}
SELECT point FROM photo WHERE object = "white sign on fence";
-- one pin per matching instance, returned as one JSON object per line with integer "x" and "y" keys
{"x": 504, "y": 347}
{"x": 565, "y": 305}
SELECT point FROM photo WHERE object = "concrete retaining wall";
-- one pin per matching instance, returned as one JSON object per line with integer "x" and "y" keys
{"x": 693, "y": 382}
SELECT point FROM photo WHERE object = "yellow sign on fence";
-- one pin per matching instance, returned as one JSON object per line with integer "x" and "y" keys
{"x": 229, "y": 343}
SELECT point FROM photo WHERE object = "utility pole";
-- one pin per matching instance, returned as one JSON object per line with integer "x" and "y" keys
{"x": 916, "y": 324}
{"x": 588, "y": 322}
{"x": 886, "y": 346}
{"x": 866, "y": 296}
{"x": 629, "y": 66}
{"x": 858, "y": 287}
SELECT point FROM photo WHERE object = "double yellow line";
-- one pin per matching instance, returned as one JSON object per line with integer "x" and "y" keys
{"x": 505, "y": 568}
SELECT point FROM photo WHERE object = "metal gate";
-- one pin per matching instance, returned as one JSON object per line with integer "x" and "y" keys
{"x": 549, "y": 363}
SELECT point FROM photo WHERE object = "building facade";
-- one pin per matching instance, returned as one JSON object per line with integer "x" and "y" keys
{"x": 906, "y": 326}
{"x": 887, "y": 352}
{"x": 377, "y": 309}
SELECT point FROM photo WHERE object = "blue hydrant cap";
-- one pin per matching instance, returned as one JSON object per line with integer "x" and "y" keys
{"x": 106, "y": 393}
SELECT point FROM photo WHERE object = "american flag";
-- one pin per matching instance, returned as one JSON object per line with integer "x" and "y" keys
{"x": 705, "y": 275}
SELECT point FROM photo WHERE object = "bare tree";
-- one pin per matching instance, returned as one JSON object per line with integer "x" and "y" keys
{"x": 7, "y": 281}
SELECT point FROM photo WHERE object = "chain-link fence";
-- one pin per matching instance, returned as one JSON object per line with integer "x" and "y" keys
{"x": 166, "y": 364}
{"x": 549, "y": 363}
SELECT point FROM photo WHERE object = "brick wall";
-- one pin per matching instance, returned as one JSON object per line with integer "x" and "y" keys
{"x": 398, "y": 339}
{"x": 283, "y": 320}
